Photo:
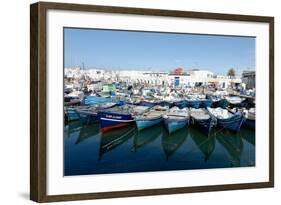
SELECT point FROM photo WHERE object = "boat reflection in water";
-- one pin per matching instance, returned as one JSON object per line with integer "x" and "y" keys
{"x": 205, "y": 144}
{"x": 233, "y": 144}
{"x": 125, "y": 150}
{"x": 114, "y": 138}
{"x": 171, "y": 143}
{"x": 249, "y": 136}
{"x": 147, "y": 136}
{"x": 87, "y": 131}
{"x": 72, "y": 128}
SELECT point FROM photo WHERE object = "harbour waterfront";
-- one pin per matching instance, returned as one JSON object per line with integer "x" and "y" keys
{"x": 171, "y": 102}
{"x": 88, "y": 151}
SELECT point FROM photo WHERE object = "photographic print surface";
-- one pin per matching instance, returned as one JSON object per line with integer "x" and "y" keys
{"x": 139, "y": 101}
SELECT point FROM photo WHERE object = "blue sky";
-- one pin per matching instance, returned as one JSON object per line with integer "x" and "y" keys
{"x": 111, "y": 50}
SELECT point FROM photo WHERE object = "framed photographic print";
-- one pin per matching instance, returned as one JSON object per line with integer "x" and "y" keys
{"x": 134, "y": 102}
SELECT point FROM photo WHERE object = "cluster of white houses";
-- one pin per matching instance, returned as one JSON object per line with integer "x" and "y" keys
{"x": 178, "y": 77}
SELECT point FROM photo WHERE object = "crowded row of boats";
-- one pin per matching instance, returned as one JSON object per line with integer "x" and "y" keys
{"x": 204, "y": 114}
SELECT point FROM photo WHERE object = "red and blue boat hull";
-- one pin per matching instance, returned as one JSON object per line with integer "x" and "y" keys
{"x": 109, "y": 121}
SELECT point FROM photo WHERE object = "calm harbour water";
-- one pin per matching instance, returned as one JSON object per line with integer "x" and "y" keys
{"x": 87, "y": 151}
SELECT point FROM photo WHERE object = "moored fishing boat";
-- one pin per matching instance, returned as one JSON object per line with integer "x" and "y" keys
{"x": 193, "y": 103}
{"x": 218, "y": 101}
{"x": 176, "y": 119}
{"x": 202, "y": 119}
{"x": 90, "y": 114}
{"x": 150, "y": 118}
{"x": 227, "y": 119}
{"x": 235, "y": 101}
{"x": 74, "y": 95}
{"x": 180, "y": 103}
{"x": 71, "y": 100}
{"x": 119, "y": 116}
{"x": 115, "y": 117}
{"x": 93, "y": 100}
{"x": 148, "y": 103}
{"x": 223, "y": 103}
{"x": 166, "y": 103}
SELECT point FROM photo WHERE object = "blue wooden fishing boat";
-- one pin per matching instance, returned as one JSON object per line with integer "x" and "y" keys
{"x": 115, "y": 117}
{"x": 180, "y": 104}
{"x": 223, "y": 103}
{"x": 202, "y": 119}
{"x": 193, "y": 103}
{"x": 236, "y": 101}
{"x": 218, "y": 101}
{"x": 89, "y": 115}
{"x": 206, "y": 103}
{"x": 68, "y": 99}
{"x": 150, "y": 118}
{"x": 119, "y": 116}
{"x": 93, "y": 100}
{"x": 176, "y": 119}
{"x": 166, "y": 103}
{"x": 227, "y": 119}
{"x": 148, "y": 103}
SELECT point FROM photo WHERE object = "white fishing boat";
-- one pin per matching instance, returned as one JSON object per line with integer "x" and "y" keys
{"x": 202, "y": 119}
{"x": 227, "y": 119}
{"x": 76, "y": 94}
{"x": 152, "y": 117}
{"x": 235, "y": 100}
{"x": 176, "y": 119}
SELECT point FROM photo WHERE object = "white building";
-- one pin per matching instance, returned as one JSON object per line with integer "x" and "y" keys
{"x": 249, "y": 78}
{"x": 191, "y": 78}
{"x": 177, "y": 78}
{"x": 142, "y": 77}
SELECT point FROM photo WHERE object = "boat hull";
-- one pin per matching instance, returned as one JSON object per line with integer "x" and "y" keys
{"x": 148, "y": 104}
{"x": 144, "y": 123}
{"x": 206, "y": 103}
{"x": 172, "y": 125}
{"x": 93, "y": 100}
{"x": 166, "y": 103}
{"x": 223, "y": 103}
{"x": 88, "y": 118}
{"x": 180, "y": 104}
{"x": 109, "y": 121}
{"x": 194, "y": 103}
{"x": 233, "y": 123}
